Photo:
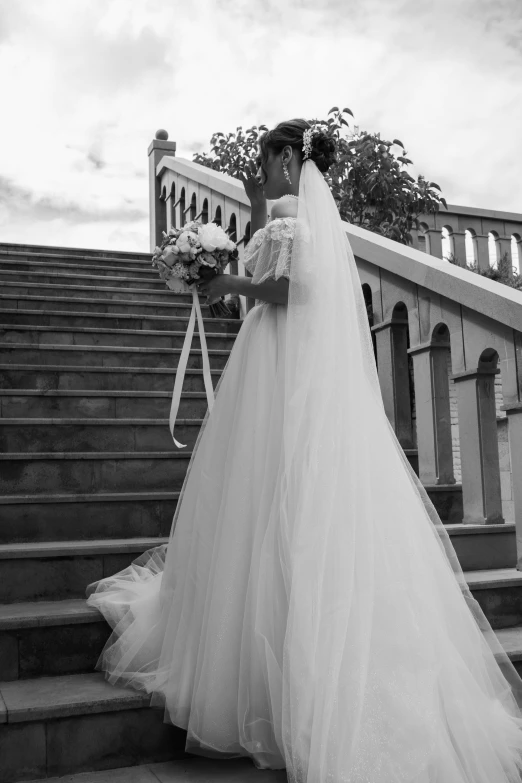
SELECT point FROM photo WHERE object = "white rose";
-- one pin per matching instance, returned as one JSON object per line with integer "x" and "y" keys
{"x": 230, "y": 246}
{"x": 186, "y": 240}
{"x": 212, "y": 237}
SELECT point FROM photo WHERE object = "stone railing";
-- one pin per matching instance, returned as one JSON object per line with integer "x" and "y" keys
{"x": 448, "y": 346}
{"x": 472, "y": 235}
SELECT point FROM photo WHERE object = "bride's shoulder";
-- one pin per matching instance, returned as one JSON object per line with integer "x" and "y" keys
{"x": 284, "y": 207}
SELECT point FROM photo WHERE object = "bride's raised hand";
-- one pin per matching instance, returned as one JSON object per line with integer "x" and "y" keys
{"x": 251, "y": 183}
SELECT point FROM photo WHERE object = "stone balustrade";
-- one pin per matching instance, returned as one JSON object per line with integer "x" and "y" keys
{"x": 448, "y": 342}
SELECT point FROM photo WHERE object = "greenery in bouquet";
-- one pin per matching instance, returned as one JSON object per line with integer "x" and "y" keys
{"x": 197, "y": 251}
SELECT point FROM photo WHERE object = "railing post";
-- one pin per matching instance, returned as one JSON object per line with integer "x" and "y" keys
{"x": 514, "y": 415}
{"x": 482, "y": 252}
{"x": 392, "y": 355}
{"x": 157, "y": 149}
{"x": 434, "y": 237}
{"x": 433, "y": 417}
{"x": 459, "y": 247}
{"x": 481, "y": 494}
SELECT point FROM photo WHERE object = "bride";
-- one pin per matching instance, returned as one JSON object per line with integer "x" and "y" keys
{"x": 309, "y": 610}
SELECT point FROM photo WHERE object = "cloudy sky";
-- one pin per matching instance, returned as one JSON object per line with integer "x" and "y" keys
{"x": 85, "y": 84}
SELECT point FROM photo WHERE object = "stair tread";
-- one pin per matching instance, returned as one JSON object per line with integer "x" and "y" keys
{"x": 21, "y": 274}
{"x": 93, "y": 300}
{"x": 189, "y": 770}
{"x": 88, "y": 288}
{"x": 66, "y": 548}
{"x": 90, "y": 455}
{"x": 95, "y": 393}
{"x": 99, "y": 421}
{"x": 466, "y": 529}
{"x": 131, "y": 316}
{"x": 104, "y": 330}
{"x": 42, "y": 698}
{"x": 38, "y": 614}
{"x": 91, "y": 497}
{"x": 494, "y": 577}
{"x": 66, "y": 264}
{"x": 100, "y": 368}
{"x": 6, "y": 248}
{"x": 106, "y": 348}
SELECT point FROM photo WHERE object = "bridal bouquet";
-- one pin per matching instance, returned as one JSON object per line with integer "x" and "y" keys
{"x": 198, "y": 251}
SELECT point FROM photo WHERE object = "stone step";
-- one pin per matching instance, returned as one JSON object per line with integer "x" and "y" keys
{"x": 49, "y": 638}
{"x": 196, "y": 770}
{"x": 46, "y": 638}
{"x": 84, "y": 378}
{"x": 69, "y": 435}
{"x": 483, "y": 547}
{"x": 499, "y": 593}
{"x": 101, "y": 515}
{"x": 94, "y": 267}
{"x": 58, "y": 570}
{"x": 84, "y": 279}
{"x": 106, "y": 356}
{"x": 73, "y": 723}
{"x": 151, "y": 322}
{"x": 95, "y": 305}
{"x": 14, "y": 250}
{"x": 92, "y": 471}
{"x": 44, "y": 404}
{"x": 121, "y": 338}
{"x": 105, "y": 291}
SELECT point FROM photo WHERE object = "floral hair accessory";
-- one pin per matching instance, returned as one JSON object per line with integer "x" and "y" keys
{"x": 307, "y": 139}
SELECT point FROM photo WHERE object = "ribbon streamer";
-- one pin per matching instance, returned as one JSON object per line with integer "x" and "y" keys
{"x": 182, "y": 365}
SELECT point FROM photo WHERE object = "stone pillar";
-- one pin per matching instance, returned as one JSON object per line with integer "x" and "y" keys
{"x": 434, "y": 239}
{"x": 514, "y": 416}
{"x": 459, "y": 247}
{"x": 481, "y": 495}
{"x": 482, "y": 252}
{"x": 157, "y": 149}
{"x": 392, "y": 353}
{"x": 432, "y": 404}
{"x": 505, "y": 247}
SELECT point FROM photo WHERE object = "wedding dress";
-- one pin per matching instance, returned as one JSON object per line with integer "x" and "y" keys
{"x": 309, "y": 610}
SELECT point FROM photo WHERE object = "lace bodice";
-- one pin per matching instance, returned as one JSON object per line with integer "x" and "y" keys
{"x": 269, "y": 251}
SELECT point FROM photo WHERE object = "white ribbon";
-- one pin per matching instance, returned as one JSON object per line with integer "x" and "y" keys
{"x": 182, "y": 365}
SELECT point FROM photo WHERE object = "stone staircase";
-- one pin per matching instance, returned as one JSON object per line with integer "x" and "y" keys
{"x": 89, "y": 478}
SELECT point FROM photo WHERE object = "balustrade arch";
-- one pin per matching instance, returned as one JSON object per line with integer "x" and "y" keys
{"x": 164, "y": 219}
{"x": 173, "y": 221}
{"x": 516, "y": 253}
{"x": 182, "y": 220}
{"x": 493, "y": 249}
{"x": 448, "y": 242}
{"x": 470, "y": 240}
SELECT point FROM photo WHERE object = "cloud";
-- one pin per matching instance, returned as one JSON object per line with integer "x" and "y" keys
{"x": 91, "y": 81}
{"x": 28, "y": 206}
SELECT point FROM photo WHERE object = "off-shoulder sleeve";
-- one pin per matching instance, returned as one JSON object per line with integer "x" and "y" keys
{"x": 269, "y": 252}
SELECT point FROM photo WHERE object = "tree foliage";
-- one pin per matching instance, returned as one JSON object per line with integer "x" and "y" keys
{"x": 369, "y": 182}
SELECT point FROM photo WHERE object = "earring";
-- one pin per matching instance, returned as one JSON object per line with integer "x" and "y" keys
{"x": 286, "y": 173}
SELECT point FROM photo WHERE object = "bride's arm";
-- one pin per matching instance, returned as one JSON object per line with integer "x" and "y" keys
{"x": 274, "y": 291}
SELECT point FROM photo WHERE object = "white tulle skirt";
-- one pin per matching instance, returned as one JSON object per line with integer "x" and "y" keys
{"x": 202, "y": 623}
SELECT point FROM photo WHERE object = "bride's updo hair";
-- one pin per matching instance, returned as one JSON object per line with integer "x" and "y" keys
{"x": 291, "y": 133}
